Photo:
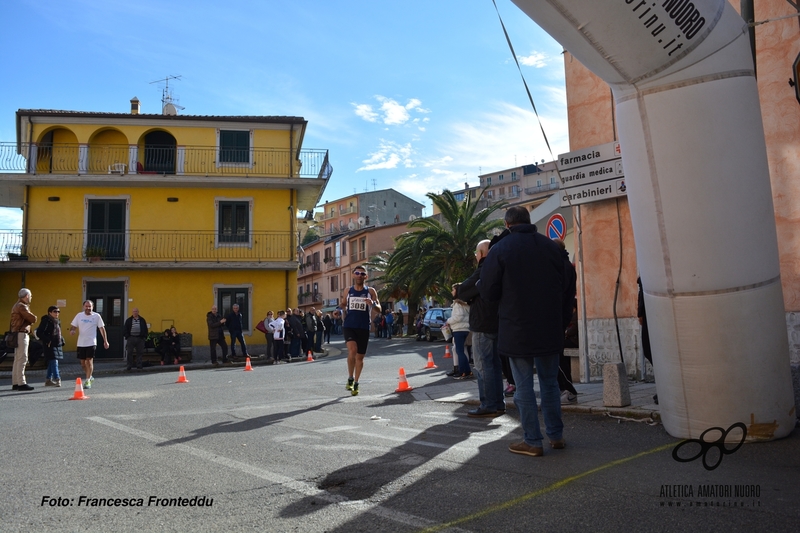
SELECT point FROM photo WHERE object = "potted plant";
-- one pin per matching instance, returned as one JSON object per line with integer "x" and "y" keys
{"x": 63, "y": 258}
{"x": 94, "y": 253}
{"x": 17, "y": 257}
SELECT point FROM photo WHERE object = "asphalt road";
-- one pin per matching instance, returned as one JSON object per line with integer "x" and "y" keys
{"x": 286, "y": 448}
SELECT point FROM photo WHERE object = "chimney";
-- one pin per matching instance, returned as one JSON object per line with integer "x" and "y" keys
{"x": 135, "y": 107}
{"x": 466, "y": 185}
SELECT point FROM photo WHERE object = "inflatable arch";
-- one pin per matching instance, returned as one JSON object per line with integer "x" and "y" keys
{"x": 690, "y": 126}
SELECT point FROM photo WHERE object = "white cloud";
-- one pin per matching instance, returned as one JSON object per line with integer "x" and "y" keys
{"x": 389, "y": 155}
{"x": 365, "y": 111}
{"x": 535, "y": 59}
{"x": 506, "y": 136}
{"x": 391, "y": 112}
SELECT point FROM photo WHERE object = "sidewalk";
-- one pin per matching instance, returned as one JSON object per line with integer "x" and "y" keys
{"x": 590, "y": 395}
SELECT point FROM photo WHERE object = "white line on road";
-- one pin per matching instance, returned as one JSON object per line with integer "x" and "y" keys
{"x": 306, "y": 489}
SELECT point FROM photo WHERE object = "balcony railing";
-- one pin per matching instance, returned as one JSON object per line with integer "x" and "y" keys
{"x": 347, "y": 210}
{"x": 71, "y": 159}
{"x": 146, "y": 245}
{"x": 541, "y": 188}
{"x": 303, "y": 299}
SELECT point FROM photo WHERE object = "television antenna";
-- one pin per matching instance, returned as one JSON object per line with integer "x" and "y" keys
{"x": 168, "y": 105}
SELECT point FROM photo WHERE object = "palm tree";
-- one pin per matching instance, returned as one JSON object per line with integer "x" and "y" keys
{"x": 428, "y": 261}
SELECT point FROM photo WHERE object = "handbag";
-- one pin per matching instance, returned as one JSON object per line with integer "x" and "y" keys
{"x": 447, "y": 333}
{"x": 11, "y": 339}
{"x": 261, "y": 327}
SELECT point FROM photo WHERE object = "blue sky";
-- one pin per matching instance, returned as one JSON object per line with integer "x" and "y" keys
{"x": 415, "y": 95}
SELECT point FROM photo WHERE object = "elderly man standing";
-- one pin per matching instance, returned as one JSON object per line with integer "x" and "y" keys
{"x": 21, "y": 320}
{"x": 135, "y": 335}
{"x": 483, "y": 325}
{"x": 524, "y": 271}
{"x": 216, "y": 335}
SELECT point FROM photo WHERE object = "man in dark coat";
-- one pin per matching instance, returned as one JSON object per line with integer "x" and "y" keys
{"x": 298, "y": 333}
{"x": 483, "y": 325}
{"x": 524, "y": 272}
{"x": 216, "y": 335}
{"x": 235, "y": 322}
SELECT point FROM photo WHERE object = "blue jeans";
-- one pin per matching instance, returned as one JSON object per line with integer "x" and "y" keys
{"x": 52, "y": 370}
{"x": 237, "y": 335}
{"x": 489, "y": 370}
{"x": 463, "y": 361}
{"x": 525, "y": 397}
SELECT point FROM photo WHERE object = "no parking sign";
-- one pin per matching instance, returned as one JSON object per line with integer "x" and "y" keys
{"x": 556, "y": 227}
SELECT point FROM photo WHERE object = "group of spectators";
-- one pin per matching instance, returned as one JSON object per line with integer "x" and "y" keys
{"x": 289, "y": 334}
{"x": 518, "y": 303}
{"x": 388, "y": 323}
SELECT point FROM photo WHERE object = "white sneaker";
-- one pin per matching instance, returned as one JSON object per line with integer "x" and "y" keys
{"x": 568, "y": 398}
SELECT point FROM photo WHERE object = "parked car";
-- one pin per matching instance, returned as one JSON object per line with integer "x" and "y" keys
{"x": 433, "y": 322}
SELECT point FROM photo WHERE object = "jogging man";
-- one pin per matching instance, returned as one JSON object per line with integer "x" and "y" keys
{"x": 360, "y": 302}
{"x": 87, "y": 324}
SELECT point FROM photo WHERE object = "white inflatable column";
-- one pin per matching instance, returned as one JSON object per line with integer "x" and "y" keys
{"x": 701, "y": 204}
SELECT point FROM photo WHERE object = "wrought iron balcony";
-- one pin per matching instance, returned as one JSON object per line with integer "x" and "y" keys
{"x": 78, "y": 159}
{"x": 145, "y": 246}
{"x": 541, "y": 188}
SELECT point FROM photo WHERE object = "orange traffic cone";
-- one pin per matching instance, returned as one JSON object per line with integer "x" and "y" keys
{"x": 79, "y": 395}
{"x": 310, "y": 358}
{"x": 247, "y": 367}
{"x": 182, "y": 376}
{"x": 430, "y": 361}
{"x": 447, "y": 352}
{"x": 403, "y": 387}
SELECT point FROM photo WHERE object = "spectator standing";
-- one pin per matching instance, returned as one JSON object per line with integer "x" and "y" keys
{"x": 49, "y": 333}
{"x": 568, "y": 393}
{"x": 278, "y": 327}
{"x": 216, "y": 335}
{"x": 135, "y": 333}
{"x": 389, "y": 318}
{"x": 235, "y": 323}
{"x": 459, "y": 325}
{"x": 328, "y": 323}
{"x": 296, "y": 327}
{"x": 310, "y": 323}
{"x": 319, "y": 333}
{"x": 270, "y": 335}
{"x": 524, "y": 272}
{"x": 87, "y": 324}
{"x": 21, "y": 320}
{"x": 400, "y": 323}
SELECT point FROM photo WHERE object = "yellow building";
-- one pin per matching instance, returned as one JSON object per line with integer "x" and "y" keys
{"x": 167, "y": 213}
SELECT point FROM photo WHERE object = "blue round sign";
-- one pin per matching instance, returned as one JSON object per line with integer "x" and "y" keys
{"x": 556, "y": 227}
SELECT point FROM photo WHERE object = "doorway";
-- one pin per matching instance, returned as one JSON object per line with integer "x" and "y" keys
{"x": 159, "y": 152}
{"x": 108, "y": 298}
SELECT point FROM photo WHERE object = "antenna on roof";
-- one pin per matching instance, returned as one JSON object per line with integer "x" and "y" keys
{"x": 168, "y": 105}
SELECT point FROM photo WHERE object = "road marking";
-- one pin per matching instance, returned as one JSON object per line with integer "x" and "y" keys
{"x": 306, "y": 489}
{"x": 550, "y": 488}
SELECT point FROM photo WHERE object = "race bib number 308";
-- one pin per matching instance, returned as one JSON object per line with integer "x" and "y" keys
{"x": 357, "y": 304}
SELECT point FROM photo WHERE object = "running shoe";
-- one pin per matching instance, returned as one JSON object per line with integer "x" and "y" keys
{"x": 349, "y": 385}
{"x": 510, "y": 390}
{"x": 354, "y": 392}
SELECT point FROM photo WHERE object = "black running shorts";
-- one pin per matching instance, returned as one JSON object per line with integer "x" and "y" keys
{"x": 86, "y": 352}
{"x": 360, "y": 336}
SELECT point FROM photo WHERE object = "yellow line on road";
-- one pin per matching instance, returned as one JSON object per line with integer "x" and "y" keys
{"x": 545, "y": 490}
